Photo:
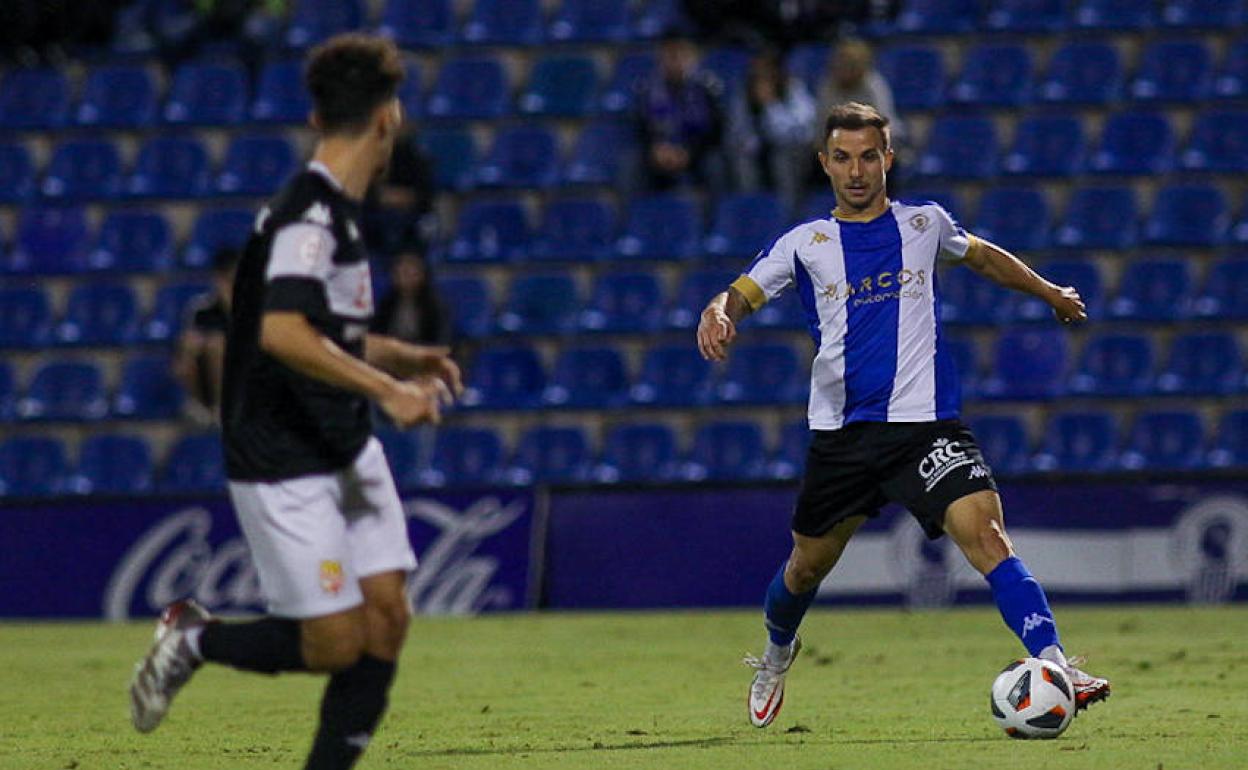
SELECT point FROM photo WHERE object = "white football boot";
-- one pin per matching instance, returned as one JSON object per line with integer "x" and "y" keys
{"x": 767, "y": 689}
{"x": 167, "y": 666}
{"x": 1088, "y": 689}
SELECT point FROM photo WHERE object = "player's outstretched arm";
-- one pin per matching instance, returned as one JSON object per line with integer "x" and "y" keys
{"x": 717, "y": 327}
{"x": 405, "y": 360}
{"x": 1000, "y": 266}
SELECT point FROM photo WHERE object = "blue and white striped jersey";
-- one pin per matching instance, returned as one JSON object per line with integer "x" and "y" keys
{"x": 870, "y": 295}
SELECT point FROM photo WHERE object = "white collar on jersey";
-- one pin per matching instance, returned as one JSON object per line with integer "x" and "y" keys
{"x": 318, "y": 167}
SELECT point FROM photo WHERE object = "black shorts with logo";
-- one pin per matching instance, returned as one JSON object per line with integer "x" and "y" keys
{"x": 856, "y": 470}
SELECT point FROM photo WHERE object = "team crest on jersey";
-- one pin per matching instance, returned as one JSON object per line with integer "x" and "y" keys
{"x": 920, "y": 222}
{"x": 331, "y": 577}
{"x": 318, "y": 214}
{"x": 818, "y": 237}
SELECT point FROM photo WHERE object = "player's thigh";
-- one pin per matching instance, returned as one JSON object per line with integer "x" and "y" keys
{"x": 387, "y": 612}
{"x": 814, "y": 557}
{"x": 977, "y": 524}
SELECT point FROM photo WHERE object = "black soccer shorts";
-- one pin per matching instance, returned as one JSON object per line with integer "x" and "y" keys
{"x": 856, "y": 470}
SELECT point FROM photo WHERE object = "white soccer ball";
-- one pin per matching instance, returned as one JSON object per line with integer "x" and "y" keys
{"x": 1033, "y": 698}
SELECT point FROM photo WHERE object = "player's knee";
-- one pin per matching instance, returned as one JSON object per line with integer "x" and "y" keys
{"x": 388, "y": 623}
{"x": 802, "y": 575}
{"x": 333, "y": 649}
{"x": 991, "y": 547}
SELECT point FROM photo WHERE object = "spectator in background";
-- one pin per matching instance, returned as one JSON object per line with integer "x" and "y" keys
{"x": 771, "y": 127}
{"x": 852, "y": 77}
{"x": 199, "y": 358}
{"x": 411, "y": 310}
{"x": 398, "y": 209}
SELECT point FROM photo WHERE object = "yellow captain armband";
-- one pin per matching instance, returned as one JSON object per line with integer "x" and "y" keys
{"x": 752, "y": 292}
{"x": 974, "y": 248}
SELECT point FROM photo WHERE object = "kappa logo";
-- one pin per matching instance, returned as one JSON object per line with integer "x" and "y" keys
{"x": 818, "y": 238}
{"x": 978, "y": 472}
{"x": 1034, "y": 621}
{"x": 920, "y": 222}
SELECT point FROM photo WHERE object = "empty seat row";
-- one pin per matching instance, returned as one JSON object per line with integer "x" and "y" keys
{"x": 64, "y": 391}
{"x": 937, "y": 17}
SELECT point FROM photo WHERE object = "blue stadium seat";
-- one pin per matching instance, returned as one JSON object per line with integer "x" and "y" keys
{"x": 99, "y": 313}
{"x": 964, "y": 355}
{"x": 170, "y": 167}
{"x": 967, "y": 298}
{"x": 64, "y": 390}
{"x": 32, "y": 466}
{"x": 552, "y": 455}
{"x": 1202, "y": 14}
{"x": 1154, "y": 290}
{"x": 1188, "y": 215}
{"x": 1047, "y": 145}
{"x": 1112, "y": 15}
{"x": 1231, "y": 81}
{"x": 17, "y": 169}
{"x": 1219, "y": 143}
{"x": 118, "y": 96}
{"x": 464, "y": 456}
{"x": 113, "y": 464}
{"x": 745, "y": 223}
{"x": 35, "y": 98}
{"x": 729, "y": 65}
{"x": 196, "y": 463}
{"x": 561, "y": 85}
{"x": 1173, "y": 71}
{"x": 403, "y": 454}
{"x": 25, "y": 317}
{"x": 783, "y": 312}
{"x": 411, "y": 91}
{"x": 148, "y": 389}
{"x": 469, "y": 88}
{"x": 216, "y": 229}
{"x": 588, "y": 378}
{"x": 630, "y": 70}
{"x": 916, "y": 74}
{"x": 205, "y": 93}
{"x": 8, "y": 388}
{"x": 1025, "y": 16}
{"x": 673, "y": 375}
{"x": 1083, "y": 274}
{"x": 576, "y": 230}
{"x": 542, "y": 303}
{"x": 82, "y": 169}
{"x": 1028, "y": 365}
{"x": 624, "y": 302}
{"x": 1135, "y": 143}
{"x": 505, "y": 378}
{"x": 504, "y": 22}
{"x": 312, "y": 21}
{"x": 809, "y": 61}
{"x": 695, "y": 290}
{"x": 789, "y": 458}
{"x": 280, "y": 95}
{"x": 491, "y": 231}
{"x": 1230, "y": 446}
{"x": 1115, "y": 365}
{"x": 993, "y": 75}
{"x": 522, "y": 156}
{"x": 937, "y": 17}
{"x": 642, "y": 452}
{"x": 1239, "y": 232}
{"x": 590, "y": 21}
{"x": 1099, "y": 218}
{"x": 1164, "y": 441}
{"x": 1082, "y": 73}
{"x": 469, "y": 303}
{"x": 256, "y": 164}
{"x": 50, "y": 240}
{"x": 946, "y": 198}
{"x": 1078, "y": 442}
{"x": 1003, "y": 440}
{"x": 762, "y": 373}
{"x": 959, "y": 147}
{"x": 133, "y": 240}
{"x": 1225, "y": 295}
{"x": 652, "y": 17}
{"x": 168, "y": 310}
{"x": 454, "y": 155}
{"x": 1014, "y": 217}
{"x": 1202, "y": 364}
{"x": 662, "y": 226}
{"x": 726, "y": 451}
{"x": 599, "y": 152}
{"x": 418, "y": 23}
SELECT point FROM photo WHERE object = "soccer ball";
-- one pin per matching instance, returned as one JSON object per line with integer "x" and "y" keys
{"x": 1033, "y": 698}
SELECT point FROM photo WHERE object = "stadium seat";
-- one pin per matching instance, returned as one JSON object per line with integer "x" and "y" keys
{"x": 789, "y": 458}
{"x": 916, "y": 74}
{"x": 630, "y": 70}
{"x": 1078, "y": 442}
{"x": 726, "y": 451}
{"x": 1028, "y": 365}
{"x": 522, "y": 156}
{"x": 505, "y": 378}
{"x": 1173, "y": 71}
{"x": 454, "y": 155}
{"x": 8, "y": 388}
{"x": 1202, "y": 364}
{"x": 642, "y": 452}
{"x": 959, "y": 147}
{"x": 491, "y": 231}
{"x": 133, "y": 240}
{"x": 99, "y": 313}
{"x": 256, "y": 165}
{"x": 169, "y": 309}
{"x": 967, "y": 298}
{"x": 1099, "y": 218}
{"x": 552, "y": 455}
{"x": 1239, "y": 232}
{"x": 819, "y": 206}
{"x": 504, "y": 22}
{"x": 25, "y": 317}
{"x": 963, "y": 353}
{"x": 468, "y": 456}
{"x": 1014, "y": 217}
{"x": 118, "y": 96}
{"x": 1116, "y": 365}
{"x": 1032, "y": 16}
{"x": 1202, "y": 14}
{"x": 1231, "y": 81}
{"x": 661, "y": 226}
{"x": 206, "y": 93}
{"x": 1225, "y": 294}
{"x": 599, "y": 152}
{"x": 745, "y": 223}
{"x": 64, "y": 390}
{"x": 561, "y": 85}
{"x": 216, "y": 229}
{"x": 783, "y": 312}
{"x": 412, "y": 91}
{"x": 809, "y": 61}
{"x": 589, "y": 21}
{"x": 1230, "y": 446}
{"x": 470, "y": 305}
{"x": 469, "y": 88}
{"x": 624, "y": 302}
{"x": 729, "y": 65}
{"x": 170, "y": 167}
{"x": 82, "y": 170}
{"x": 673, "y": 375}
{"x": 1134, "y": 143}
{"x": 32, "y": 466}
{"x": 196, "y": 463}
{"x": 993, "y": 75}
{"x": 280, "y": 94}
{"x": 576, "y": 230}
{"x": 1046, "y": 145}
{"x": 1004, "y": 442}
{"x": 1154, "y": 290}
{"x": 17, "y": 169}
{"x": 313, "y": 21}
{"x": 1164, "y": 441}
{"x": 588, "y": 378}
{"x": 695, "y": 290}
{"x": 113, "y": 464}
{"x": 418, "y": 23}
{"x": 1083, "y": 274}
{"x": 50, "y": 240}
{"x": 1218, "y": 143}
{"x": 653, "y": 17}
{"x": 1188, "y": 215}
{"x": 1112, "y": 15}
{"x": 937, "y": 17}
{"x": 542, "y": 303}
{"x": 148, "y": 390}
{"x": 35, "y": 98}
{"x": 763, "y": 373}
{"x": 403, "y": 454}
{"x": 1082, "y": 73}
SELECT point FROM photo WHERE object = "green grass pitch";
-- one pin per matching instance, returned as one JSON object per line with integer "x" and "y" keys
{"x": 879, "y": 689}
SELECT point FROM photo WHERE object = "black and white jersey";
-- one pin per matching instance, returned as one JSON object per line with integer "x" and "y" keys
{"x": 304, "y": 255}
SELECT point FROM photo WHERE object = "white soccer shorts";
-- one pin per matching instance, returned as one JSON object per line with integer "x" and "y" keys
{"x": 312, "y": 538}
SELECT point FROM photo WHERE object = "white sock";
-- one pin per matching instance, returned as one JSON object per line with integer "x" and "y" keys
{"x": 777, "y": 653}
{"x": 1054, "y": 654}
{"x": 192, "y": 641}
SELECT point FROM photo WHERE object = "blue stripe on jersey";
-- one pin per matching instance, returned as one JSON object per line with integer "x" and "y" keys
{"x": 870, "y": 248}
{"x": 948, "y": 386}
{"x": 806, "y": 292}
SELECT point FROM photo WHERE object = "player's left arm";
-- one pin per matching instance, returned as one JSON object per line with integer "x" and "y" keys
{"x": 1000, "y": 266}
{"x": 405, "y": 360}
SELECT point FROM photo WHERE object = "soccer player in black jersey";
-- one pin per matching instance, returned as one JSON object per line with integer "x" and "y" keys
{"x": 309, "y": 483}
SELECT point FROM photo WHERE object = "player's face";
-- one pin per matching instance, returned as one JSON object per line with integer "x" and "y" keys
{"x": 857, "y": 163}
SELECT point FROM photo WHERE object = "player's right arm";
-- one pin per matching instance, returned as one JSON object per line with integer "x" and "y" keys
{"x": 768, "y": 275}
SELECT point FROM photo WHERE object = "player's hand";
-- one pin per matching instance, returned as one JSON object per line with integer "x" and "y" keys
{"x": 1067, "y": 304}
{"x": 444, "y": 368}
{"x": 716, "y": 331}
{"x": 415, "y": 402}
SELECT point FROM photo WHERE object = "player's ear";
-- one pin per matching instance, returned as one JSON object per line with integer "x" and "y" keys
{"x": 823, "y": 163}
{"x": 888, "y": 160}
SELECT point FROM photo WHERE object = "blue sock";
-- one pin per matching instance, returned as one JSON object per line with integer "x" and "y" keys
{"x": 1023, "y": 605}
{"x": 784, "y": 610}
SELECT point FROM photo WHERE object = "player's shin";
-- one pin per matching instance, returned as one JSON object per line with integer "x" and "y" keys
{"x": 351, "y": 709}
{"x": 266, "y": 646}
{"x": 784, "y": 611}
{"x": 1023, "y": 605}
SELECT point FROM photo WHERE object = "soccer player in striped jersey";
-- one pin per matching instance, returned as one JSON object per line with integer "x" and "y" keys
{"x": 884, "y": 397}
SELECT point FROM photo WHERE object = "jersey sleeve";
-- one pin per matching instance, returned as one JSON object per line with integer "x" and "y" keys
{"x": 954, "y": 241}
{"x": 300, "y": 258}
{"x": 768, "y": 275}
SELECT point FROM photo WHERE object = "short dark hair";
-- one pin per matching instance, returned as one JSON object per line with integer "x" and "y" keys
{"x": 349, "y": 76}
{"x": 854, "y": 116}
